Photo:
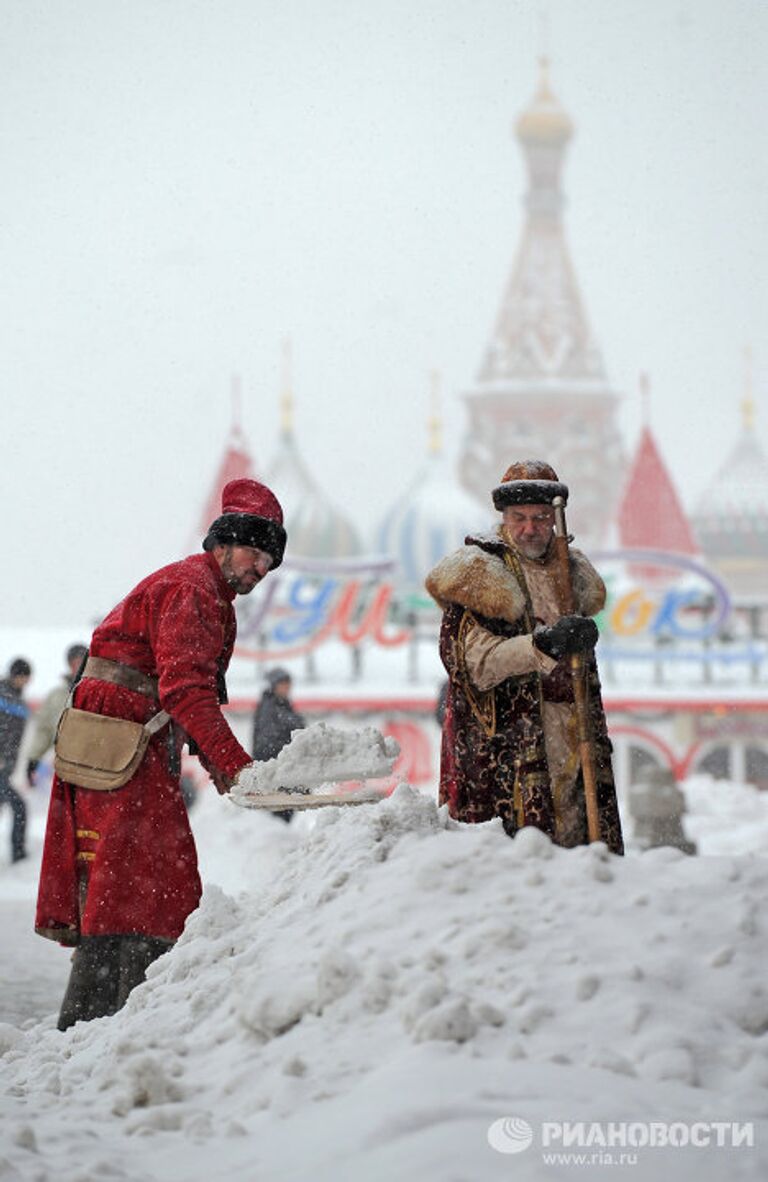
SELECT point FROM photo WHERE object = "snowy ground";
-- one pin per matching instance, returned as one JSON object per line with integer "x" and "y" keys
{"x": 365, "y": 993}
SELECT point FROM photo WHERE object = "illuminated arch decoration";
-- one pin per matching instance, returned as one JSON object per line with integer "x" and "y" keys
{"x": 310, "y": 601}
{"x": 653, "y": 743}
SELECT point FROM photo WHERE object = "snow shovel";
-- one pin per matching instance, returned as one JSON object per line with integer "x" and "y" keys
{"x": 278, "y": 801}
{"x": 316, "y": 757}
{"x": 578, "y": 678}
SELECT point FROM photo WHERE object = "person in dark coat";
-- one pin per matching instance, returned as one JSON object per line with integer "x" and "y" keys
{"x": 13, "y": 718}
{"x": 274, "y": 721}
{"x": 119, "y": 874}
{"x": 43, "y": 727}
{"x": 440, "y": 704}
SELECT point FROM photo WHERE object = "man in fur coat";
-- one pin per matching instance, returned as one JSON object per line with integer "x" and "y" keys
{"x": 510, "y": 743}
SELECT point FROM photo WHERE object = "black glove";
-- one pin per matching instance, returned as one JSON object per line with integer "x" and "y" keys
{"x": 571, "y": 634}
{"x": 31, "y": 769}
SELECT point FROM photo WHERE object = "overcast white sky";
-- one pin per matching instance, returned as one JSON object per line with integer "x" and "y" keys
{"x": 185, "y": 182}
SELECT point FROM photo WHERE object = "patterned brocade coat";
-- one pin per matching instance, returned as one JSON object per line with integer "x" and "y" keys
{"x": 509, "y": 745}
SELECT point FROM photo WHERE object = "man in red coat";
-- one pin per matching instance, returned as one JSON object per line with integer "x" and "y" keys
{"x": 119, "y": 872}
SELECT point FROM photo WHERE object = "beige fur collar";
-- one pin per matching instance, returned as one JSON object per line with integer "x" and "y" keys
{"x": 480, "y": 580}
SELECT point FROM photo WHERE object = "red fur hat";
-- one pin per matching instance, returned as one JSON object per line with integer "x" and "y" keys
{"x": 250, "y": 516}
{"x": 248, "y": 496}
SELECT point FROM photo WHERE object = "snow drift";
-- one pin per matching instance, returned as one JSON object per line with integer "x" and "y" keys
{"x": 391, "y": 984}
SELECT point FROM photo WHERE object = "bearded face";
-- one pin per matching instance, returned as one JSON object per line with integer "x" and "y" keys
{"x": 529, "y": 528}
{"x": 243, "y": 566}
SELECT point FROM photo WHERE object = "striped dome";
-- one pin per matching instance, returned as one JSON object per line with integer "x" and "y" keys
{"x": 431, "y": 519}
{"x": 731, "y": 518}
{"x": 315, "y": 528}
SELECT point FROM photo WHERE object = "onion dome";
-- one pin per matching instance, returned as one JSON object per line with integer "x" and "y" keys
{"x": 731, "y": 517}
{"x": 544, "y": 121}
{"x": 544, "y": 130}
{"x": 315, "y": 528}
{"x": 434, "y": 514}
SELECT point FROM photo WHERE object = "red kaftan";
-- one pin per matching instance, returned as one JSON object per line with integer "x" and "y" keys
{"x": 133, "y": 847}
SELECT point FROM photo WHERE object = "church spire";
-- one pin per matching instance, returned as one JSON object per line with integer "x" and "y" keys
{"x": 645, "y": 399}
{"x": 435, "y": 422}
{"x": 286, "y": 389}
{"x": 315, "y": 527}
{"x": 542, "y": 388}
{"x": 544, "y": 130}
{"x": 542, "y": 331}
{"x": 748, "y": 400}
{"x": 236, "y": 461}
{"x": 236, "y": 397}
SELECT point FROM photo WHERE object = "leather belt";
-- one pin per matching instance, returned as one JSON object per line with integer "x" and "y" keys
{"x": 119, "y": 674}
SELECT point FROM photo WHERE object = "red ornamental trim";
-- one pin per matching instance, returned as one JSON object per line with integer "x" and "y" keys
{"x": 694, "y": 705}
{"x": 639, "y": 732}
{"x": 427, "y": 704}
{"x": 354, "y": 705}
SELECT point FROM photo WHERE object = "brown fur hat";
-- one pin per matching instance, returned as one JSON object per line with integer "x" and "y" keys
{"x": 529, "y": 482}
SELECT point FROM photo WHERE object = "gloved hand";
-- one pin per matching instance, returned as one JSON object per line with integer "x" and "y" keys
{"x": 31, "y": 770}
{"x": 571, "y": 634}
{"x": 223, "y": 784}
{"x": 242, "y": 775}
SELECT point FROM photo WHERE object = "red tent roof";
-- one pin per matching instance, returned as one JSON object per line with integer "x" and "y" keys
{"x": 650, "y": 513}
{"x": 235, "y": 463}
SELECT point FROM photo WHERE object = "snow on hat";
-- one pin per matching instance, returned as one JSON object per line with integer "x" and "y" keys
{"x": 250, "y": 516}
{"x": 248, "y": 496}
{"x": 529, "y": 482}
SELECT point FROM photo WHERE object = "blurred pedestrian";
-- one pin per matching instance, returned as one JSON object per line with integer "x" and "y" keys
{"x": 45, "y": 721}
{"x": 440, "y": 704}
{"x": 274, "y": 721}
{"x": 188, "y": 788}
{"x": 13, "y": 718}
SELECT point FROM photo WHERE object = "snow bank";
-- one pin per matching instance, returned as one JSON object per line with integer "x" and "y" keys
{"x": 724, "y": 817}
{"x": 389, "y": 986}
{"x": 321, "y": 754}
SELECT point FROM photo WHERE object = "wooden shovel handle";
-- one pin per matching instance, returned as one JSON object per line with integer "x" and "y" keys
{"x": 578, "y": 675}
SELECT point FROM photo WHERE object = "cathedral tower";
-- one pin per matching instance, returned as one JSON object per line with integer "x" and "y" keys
{"x": 542, "y": 391}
